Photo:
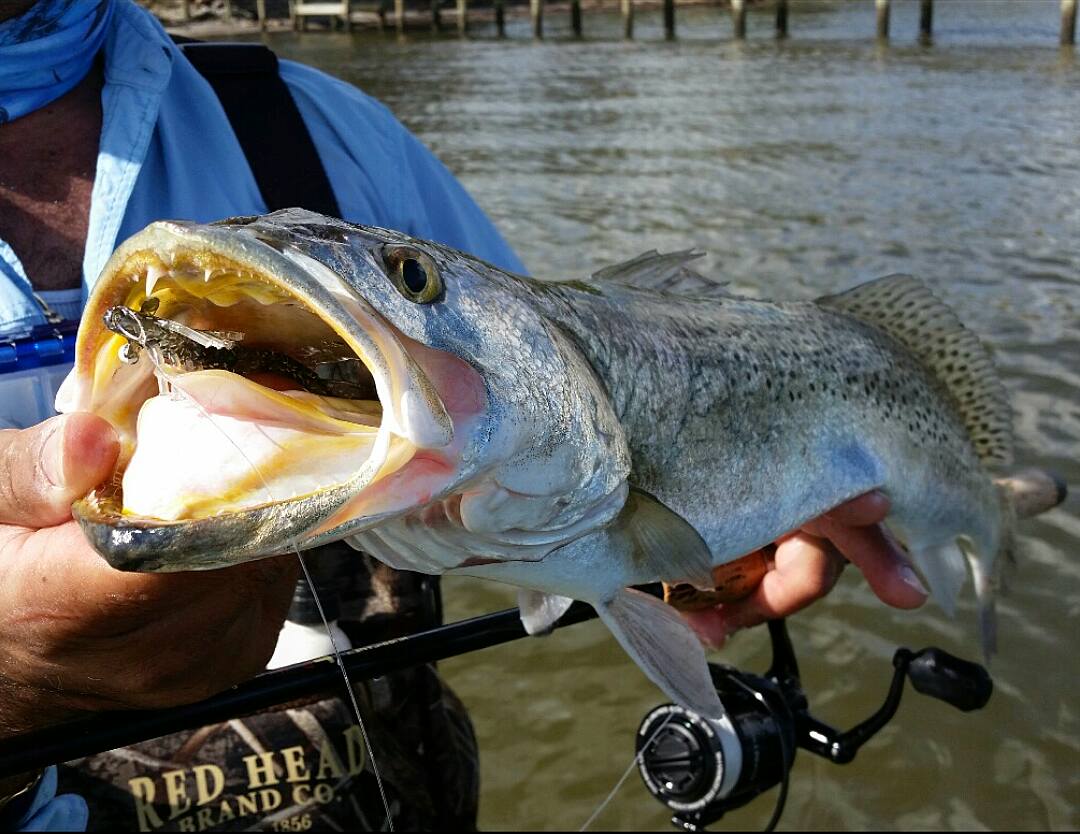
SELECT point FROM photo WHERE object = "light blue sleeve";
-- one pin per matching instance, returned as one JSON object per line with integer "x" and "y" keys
{"x": 50, "y": 812}
{"x": 382, "y": 175}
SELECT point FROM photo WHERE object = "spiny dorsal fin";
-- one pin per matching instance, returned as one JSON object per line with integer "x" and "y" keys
{"x": 904, "y": 307}
{"x": 667, "y": 272}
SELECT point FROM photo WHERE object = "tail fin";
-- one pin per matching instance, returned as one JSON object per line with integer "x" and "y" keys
{"x": 1021, "y": 495}
{"x": 986, "y": 558}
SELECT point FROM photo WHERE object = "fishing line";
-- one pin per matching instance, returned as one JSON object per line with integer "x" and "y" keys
{"x": 170, "y": 380}
{"x": 626, "y": 774}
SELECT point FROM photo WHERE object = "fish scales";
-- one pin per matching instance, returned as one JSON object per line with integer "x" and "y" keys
{"x": 572, "y": 438}
{"x": 788, "y": 388}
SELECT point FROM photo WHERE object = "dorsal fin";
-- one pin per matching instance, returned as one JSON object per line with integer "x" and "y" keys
{"x": 663, "y": 272}
{"x": 906, "y": 309}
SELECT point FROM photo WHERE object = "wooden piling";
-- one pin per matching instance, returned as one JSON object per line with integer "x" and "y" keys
{"x": 228, "y": 10}
{"x": 575, "y": 17}
{"x": 926, "y": 20}
{"x": 463, "y": 17}
{"x": 399, "y": 16}
{"x": 436, "y": 16}
{"x": 738, "y": 18}
{"x": 669, "y": 19}
{"x": 1068, "y": 22}
{"x": 627, "y": 7}
{"x": 536, "y": 10}
{"x": 500, "y": 18}
{"x": 781, "y": 18}
{"x": 260, "y": 13}
{"x": 186, "y": 6}
{"x": 882, "y": 19}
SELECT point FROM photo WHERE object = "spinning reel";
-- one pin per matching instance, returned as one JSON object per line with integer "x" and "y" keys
{"x": 702, "y": 768}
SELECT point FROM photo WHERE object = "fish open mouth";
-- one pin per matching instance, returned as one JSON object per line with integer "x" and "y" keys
{"x": 275, "y": 398}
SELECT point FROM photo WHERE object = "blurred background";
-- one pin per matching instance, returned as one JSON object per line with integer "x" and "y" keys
{"x": 803, "y": 167}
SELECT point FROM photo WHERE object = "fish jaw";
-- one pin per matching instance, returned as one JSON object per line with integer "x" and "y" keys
{"x": 269, "y": 503}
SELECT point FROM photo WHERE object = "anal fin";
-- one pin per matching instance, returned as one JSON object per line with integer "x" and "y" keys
{"x": 540, "y": 611}
{"x": 659, "y": 640}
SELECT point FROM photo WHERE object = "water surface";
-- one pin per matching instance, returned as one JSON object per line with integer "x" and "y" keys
{"x": 802, "y": 167}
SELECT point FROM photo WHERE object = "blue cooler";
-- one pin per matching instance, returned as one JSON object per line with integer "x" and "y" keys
{"x": 31, "y": 370}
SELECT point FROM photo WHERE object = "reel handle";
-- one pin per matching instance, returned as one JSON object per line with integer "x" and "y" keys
{"x": 961, "y": 683}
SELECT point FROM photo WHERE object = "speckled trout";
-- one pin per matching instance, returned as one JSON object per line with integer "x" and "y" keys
{"x": 572, "y": 438}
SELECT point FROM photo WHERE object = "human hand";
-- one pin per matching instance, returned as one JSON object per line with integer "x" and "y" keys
{"x": 77, "y": 635}
{"x": 806, "y": 564}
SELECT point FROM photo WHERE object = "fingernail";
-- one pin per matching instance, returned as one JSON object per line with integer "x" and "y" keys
{"x": 52, "y": 455}
{"x": 911, "y": 579}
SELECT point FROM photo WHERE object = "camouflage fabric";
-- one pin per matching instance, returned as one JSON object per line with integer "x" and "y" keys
{"x": 305, "y": 766}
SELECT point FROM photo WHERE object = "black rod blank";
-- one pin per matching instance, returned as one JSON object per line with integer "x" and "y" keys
{"x": 110, "y": 730}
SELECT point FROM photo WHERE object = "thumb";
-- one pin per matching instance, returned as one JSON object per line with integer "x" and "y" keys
{"x": 43, "y": 469}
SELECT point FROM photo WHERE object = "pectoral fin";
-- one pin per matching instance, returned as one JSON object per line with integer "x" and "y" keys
{"x": 540, "y": 611}
{"x": 664, "y": 543}
{"x": 663, "y": 645}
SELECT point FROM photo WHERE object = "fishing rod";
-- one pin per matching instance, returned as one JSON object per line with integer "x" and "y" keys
{"x": 110, "y": 730}
{"x": 699, "y": 768}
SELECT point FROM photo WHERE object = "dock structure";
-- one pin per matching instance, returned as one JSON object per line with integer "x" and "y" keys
{"x": 301, "y": 10}
{"x": 1068, "y": 22}
{"x": 346, "y": 12}
{"x": 883, "y": 11}
{"x": 926, "y": 20}
{"x": 536, "y": 12}
{"x": 738, "y": 19}
{"x": 781, "y": 18}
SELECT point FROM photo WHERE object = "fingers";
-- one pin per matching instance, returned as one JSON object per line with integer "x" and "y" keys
{"x": 804, "y": 570}
{"x": 807, "y": 564}
{"x": 883, "y": 563}
{"x": 43, "y": 469}
{"x": 862, "y": 511}
{"x": 65, "y": 615}
{"x": 54, "y": 576}
{"x": 880, "y": 559}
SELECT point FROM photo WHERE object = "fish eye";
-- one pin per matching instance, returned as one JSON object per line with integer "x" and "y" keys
{"x": 414, "y": 274}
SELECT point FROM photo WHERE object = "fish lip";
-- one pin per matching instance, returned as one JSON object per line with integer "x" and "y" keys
{"x": 159, "y": 546}
{"x": 147, "y": 544}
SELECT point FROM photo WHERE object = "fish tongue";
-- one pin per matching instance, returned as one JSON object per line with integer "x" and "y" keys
{"x": 221, "y": 442}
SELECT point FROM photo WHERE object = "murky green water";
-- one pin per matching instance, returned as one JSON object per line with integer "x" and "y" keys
{"x": 802, "y": 167}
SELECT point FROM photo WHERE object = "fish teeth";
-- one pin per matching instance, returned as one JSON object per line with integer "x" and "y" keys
{"x": 153, "y": 275}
